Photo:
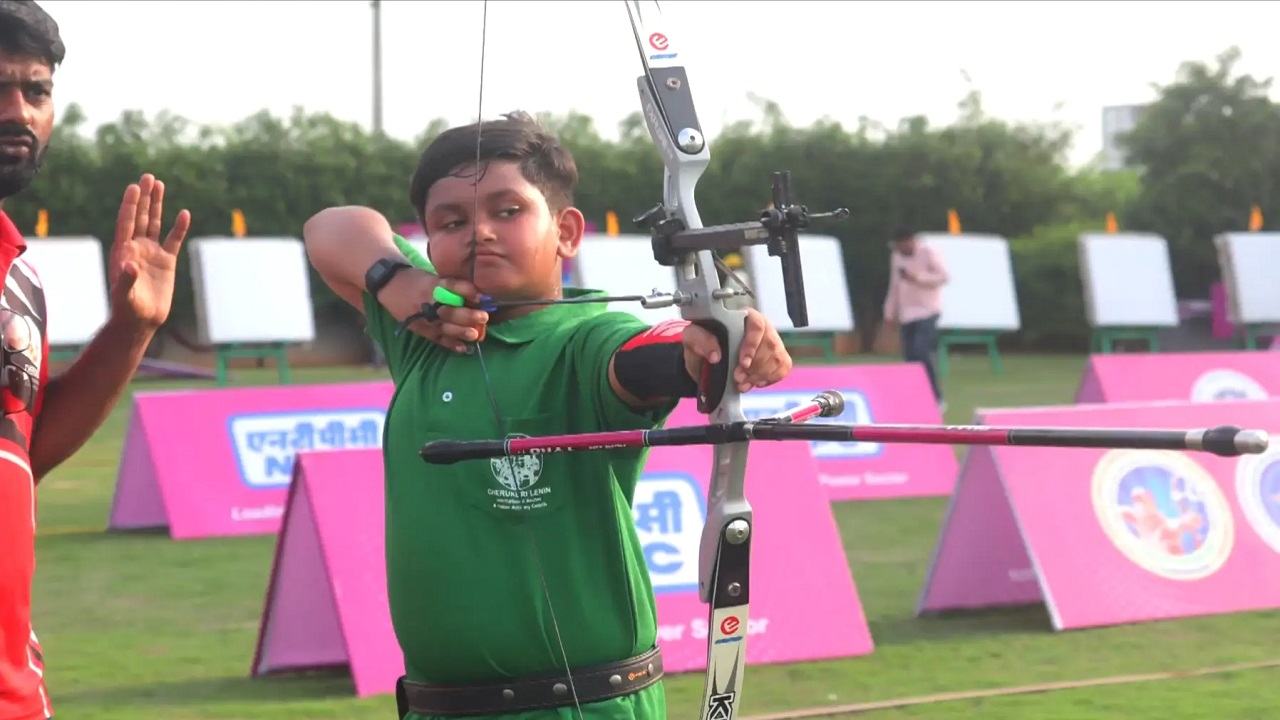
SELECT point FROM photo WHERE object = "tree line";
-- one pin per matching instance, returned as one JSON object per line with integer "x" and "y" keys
{"x": 1204, "y": 152}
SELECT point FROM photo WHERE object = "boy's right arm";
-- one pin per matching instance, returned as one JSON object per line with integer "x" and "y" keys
{"x": 344, "y": 242}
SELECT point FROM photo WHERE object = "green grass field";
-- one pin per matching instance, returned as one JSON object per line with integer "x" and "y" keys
{"x": 138, "y": 627}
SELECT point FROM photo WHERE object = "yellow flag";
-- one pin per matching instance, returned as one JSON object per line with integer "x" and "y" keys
{"x": 238, "y": 227}
{"x": 953, "y": 222}
{"x": 1255, "y": 219}
{"x": 42, "y": 223}
{"x": 1111, "y": 223}
{"x": 611, "y": 224}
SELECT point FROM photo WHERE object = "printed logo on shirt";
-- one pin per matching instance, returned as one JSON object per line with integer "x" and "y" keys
{"x": 22, "y": 322}
{"x": 517, "y": 478}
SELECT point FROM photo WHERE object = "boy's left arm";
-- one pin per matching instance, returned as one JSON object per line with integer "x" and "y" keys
{"x": 657, "y": 367}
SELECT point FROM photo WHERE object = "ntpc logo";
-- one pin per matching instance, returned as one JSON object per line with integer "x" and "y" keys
{"x": 669, "y": 514}
{"x": 857, "y": 411}
{"x": 266, "y": 443}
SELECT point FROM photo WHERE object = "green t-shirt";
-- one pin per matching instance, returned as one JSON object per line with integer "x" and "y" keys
{"x": 465, "y": 587}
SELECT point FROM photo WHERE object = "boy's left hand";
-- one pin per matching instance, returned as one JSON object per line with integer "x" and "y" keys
{"x": 763, "y": 360}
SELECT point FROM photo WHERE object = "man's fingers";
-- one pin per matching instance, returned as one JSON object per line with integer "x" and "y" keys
{"x": 128, "y": 213}
{"x": 142, "y": 218}
{"x": 155, "y": 218}
{"x": 181, "y": 224}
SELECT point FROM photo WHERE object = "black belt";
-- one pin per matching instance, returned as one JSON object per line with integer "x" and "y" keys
{"x": 594, "y": 684}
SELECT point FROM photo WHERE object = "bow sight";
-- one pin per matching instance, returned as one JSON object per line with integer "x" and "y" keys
{"x": 778, "y": 229}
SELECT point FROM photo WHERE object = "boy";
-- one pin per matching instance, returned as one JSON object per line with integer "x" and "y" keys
{"x": 521, "y": 577}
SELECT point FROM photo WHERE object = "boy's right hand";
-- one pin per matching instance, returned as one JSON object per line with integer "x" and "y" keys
{"x": 411, "y": 288}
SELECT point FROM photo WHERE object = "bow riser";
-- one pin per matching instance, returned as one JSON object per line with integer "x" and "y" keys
{"x": 724, "y": 555}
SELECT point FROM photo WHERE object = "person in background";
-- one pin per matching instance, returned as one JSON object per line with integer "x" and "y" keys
{"x": 44, "y": 420}
{"x": 914, "y": 301}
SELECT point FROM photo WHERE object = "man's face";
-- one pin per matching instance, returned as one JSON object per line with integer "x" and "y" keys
{"x": 521, "y": 239}
{"x": 906, "y": 246}
{"x": 26, "y": 120}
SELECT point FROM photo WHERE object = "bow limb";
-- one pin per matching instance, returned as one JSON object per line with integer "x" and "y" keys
{"x": 724, "y": 556}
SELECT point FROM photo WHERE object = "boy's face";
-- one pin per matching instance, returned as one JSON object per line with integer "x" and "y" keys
{"x": 521, "y": 240}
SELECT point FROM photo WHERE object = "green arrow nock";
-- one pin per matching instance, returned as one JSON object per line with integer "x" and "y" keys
{"x": 447, "y": 297}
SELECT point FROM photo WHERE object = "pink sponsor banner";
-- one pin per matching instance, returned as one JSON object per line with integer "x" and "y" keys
{"x": 1108, "y": 537}
{"x": 897, "y": 393}
{"x": 326, "y": 602}
{"x": 218, "y": 462}
{"x": 1195, "y": 376}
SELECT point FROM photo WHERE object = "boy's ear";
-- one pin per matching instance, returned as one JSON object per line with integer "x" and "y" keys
{"x": 571, "y": 225}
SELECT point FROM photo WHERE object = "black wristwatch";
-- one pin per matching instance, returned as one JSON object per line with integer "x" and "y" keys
{"x": 380, "y": 273}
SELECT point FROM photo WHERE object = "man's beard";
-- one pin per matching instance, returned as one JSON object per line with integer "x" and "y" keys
{"x": 16, "y": 173}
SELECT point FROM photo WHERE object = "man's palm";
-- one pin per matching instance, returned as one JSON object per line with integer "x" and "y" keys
{"x": 142, "y": 269}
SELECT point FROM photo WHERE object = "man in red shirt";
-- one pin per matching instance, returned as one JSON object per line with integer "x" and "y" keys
{"x": 44, "y": 420}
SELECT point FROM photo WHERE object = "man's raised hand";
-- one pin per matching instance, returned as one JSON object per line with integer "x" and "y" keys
{"x": 141, "y": 269}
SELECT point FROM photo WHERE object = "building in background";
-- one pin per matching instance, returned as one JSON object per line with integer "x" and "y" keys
{"x": 1116, "y": 121}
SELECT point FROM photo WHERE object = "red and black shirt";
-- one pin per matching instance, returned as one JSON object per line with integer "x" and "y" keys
{"x": 24, "y": 372}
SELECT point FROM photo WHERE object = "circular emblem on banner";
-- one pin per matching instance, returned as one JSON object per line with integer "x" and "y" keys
{"x": 1258, "y": 491}
{"x": 1164, "y": 512}
{"x": 1226, "y": 385}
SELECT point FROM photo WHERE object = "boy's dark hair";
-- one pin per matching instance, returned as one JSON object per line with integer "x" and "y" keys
{"x": 26, "y": 30}
{"x": 903, "y": 233}
{"x": 544, "y": 162}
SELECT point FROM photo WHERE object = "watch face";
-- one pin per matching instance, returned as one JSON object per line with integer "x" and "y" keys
{"x": 380, "y": 274}
{"x": 376, "y": 275}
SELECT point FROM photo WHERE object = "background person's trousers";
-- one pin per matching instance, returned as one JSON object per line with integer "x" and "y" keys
{"x": 919, "y": 339}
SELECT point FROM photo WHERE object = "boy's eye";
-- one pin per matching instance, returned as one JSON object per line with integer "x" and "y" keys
{"x": 508, "y": 212}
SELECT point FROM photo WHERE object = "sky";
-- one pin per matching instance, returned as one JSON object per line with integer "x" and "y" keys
{"x": 219, "y": 62}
